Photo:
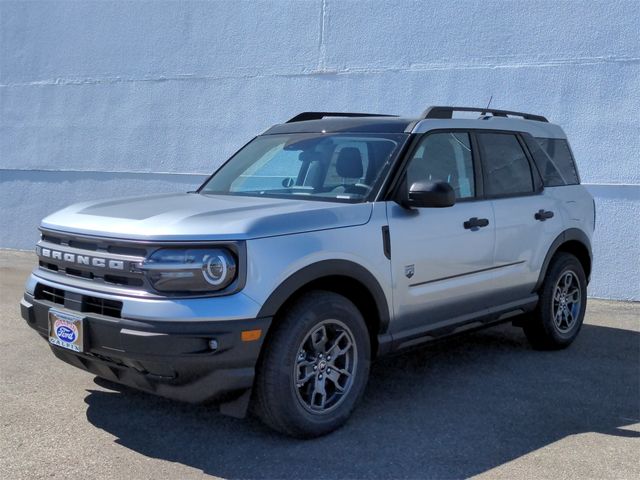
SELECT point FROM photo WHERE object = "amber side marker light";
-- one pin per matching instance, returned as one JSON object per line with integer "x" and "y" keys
{"x": 251, "y": 335}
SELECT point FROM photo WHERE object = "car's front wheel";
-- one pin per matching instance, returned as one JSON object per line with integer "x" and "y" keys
{"x": 315, "y": 366}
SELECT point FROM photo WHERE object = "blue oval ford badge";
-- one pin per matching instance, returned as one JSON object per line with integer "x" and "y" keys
{"x": 65, "y": 334}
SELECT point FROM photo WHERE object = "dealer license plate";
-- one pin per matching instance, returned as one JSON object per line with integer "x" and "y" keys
{"x": 65, "y": 330}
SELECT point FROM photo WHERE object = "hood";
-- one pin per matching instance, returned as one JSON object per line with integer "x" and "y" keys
{"x": 204, "y": 217}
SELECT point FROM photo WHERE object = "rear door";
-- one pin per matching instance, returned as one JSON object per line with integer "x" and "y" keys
{"x": 526, "y": 220}
{"x": 441, "y": 263}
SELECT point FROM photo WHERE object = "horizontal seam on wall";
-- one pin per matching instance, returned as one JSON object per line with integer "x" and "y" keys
{"x": 611, "y": 184}
{"x": 412, "y": 68}
{"x": 121, "y": 172}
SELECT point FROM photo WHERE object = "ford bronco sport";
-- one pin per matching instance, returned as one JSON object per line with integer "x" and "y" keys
{"x": 325, "y": 242}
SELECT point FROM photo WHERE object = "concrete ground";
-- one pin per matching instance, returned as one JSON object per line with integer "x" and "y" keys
{"x": 482, "y": 405}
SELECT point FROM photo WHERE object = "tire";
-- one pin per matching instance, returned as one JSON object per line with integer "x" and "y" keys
{"x": 292, "y": 375}
{"x": 560, "y": 311}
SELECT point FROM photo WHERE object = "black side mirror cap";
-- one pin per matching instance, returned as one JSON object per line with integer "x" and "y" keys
{"x": 430, "y": 195}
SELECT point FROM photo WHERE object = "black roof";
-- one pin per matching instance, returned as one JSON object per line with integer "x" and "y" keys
{"x": 371, "y": 124}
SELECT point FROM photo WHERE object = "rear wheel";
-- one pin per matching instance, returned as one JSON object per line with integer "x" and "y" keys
{"x": 315, "y": 366}
{"x": 563, "y": 299}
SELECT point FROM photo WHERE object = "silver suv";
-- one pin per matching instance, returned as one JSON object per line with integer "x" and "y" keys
{"x": 322, "y": 244}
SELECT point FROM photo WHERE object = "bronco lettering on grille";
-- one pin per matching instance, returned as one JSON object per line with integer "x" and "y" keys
{"x": 97, "y": 262}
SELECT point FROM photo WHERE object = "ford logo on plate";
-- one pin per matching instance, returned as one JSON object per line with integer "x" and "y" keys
{"x": 66, "y": 334}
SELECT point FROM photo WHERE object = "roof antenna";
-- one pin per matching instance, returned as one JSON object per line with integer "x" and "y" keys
{"x": 488, "y": 104}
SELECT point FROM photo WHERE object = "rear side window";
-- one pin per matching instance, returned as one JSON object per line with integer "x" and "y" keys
{"x": 506, "y": 169}
{"x": 554, "y": 160}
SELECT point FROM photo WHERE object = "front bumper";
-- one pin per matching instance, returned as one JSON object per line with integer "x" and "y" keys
{"x": 172, "y": 359}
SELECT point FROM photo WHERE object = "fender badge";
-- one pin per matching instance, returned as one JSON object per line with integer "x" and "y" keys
{"x": 409, "y": 270}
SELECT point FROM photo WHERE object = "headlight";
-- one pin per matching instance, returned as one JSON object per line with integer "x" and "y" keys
{"x": 192, "y": 270}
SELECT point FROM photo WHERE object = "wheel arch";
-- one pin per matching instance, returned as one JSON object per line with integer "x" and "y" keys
{"x": 346, "y": 278}
{"x": 573, "y": 241}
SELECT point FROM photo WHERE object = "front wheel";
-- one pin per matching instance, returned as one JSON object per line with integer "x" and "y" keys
{"x": 563, "y": 299}
{"x": 315, "y": 366}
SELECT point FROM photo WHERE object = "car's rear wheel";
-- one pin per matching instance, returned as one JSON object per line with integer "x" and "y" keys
{"x": 563, "y": 299}
{"x": 315, "y": 366}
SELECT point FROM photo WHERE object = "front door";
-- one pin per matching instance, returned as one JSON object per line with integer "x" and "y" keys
{"x": 441, "y": 258}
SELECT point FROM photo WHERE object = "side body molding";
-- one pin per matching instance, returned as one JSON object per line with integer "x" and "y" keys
{"x": 328, "y": 268}
{"x": 571, "y": 234}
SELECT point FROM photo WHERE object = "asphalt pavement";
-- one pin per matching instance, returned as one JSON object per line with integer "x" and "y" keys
{"x": 484, "y": 404}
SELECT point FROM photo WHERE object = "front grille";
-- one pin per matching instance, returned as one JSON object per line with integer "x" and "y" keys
{"x": 107, "y": 261}
{"x": 49, "y": 266}
{"x": 118, "y": 280}
{"x": 82, "y": 245}
{"x": 77, "y": 302}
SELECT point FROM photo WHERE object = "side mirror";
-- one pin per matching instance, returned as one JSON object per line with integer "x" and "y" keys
{"x": 430, "y": 195}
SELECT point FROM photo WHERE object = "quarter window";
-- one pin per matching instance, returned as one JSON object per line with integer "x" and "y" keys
{"x": 557, "y": 166}
{"x": 444, "y": 157}
{"x": 506, "y": 169}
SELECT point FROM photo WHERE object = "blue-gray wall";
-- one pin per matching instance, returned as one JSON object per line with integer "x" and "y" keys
{"x": 99, "y": 99}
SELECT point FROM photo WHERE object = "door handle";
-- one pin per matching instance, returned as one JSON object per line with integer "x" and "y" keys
{"x": 542, "y": 215}
{"x": 475, "y": 223}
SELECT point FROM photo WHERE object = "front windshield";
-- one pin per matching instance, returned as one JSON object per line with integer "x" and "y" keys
{"x": 316, "y": 166}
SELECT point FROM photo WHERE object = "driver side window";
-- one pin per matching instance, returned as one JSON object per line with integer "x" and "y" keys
{"x": 444, "y": 157}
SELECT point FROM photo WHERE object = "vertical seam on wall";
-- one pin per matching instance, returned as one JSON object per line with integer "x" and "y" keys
{"x": 321, "y": 44}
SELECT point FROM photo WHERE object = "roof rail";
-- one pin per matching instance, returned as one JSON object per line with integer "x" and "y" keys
{"x": 447, "y": 112}
{"x": 301, "y": 117}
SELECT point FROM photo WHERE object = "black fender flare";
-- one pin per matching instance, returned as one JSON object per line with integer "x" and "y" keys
{"x": 570, "y": 234}
{"x": 327, "y": 268}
